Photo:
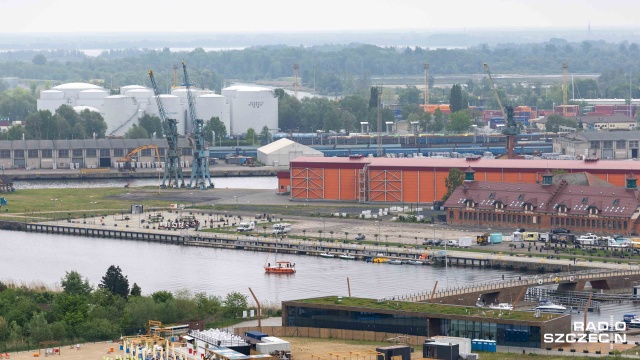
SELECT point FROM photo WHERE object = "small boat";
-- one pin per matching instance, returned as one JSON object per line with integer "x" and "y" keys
{"x": 346, "y": 256}
{"x": 550, "y": 306}
{"x": 327, "y": 255}
{"x": 394, "y": 262}
{"x": 281, "y": 267}
{"x": 480, "y": 302}
{"x": 415, "y": 262}
{"x": 501, "y": 306}
{"x": 634, "y": 323}
{"x": 380, "y": 260}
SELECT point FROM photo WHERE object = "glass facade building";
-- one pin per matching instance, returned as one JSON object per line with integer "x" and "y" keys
{"x": 504, "y": 332}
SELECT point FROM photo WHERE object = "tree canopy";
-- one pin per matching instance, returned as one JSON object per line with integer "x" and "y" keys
{"x": 115, "y": 282}
{"x": 455, "y": 179}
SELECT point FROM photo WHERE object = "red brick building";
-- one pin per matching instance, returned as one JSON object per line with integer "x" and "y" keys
{"x": 579, "y": 208}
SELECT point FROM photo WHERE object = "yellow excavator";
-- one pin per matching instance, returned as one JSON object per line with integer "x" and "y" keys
{"x": 127, "y": 159}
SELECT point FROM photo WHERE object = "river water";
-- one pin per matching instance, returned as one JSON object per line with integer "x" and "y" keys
{"x": 251, "y": 182}
{"x": 33, "y": 258}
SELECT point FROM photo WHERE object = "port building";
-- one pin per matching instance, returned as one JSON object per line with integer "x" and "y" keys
{"x": 422, "y": 180}
{"x": 281, "y": 152}
{"x": 601, "y": 209}
{"x": 239, "y": 107}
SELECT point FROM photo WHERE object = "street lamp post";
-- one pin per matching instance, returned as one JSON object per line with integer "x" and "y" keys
{"x": 55, "y": 208}
{"x": 94, "y": 210}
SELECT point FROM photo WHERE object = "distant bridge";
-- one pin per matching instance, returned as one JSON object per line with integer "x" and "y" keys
{"x": 511, "y": 288}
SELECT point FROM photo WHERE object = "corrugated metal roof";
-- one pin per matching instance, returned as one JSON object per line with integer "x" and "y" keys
{"x": 479, "y": 164}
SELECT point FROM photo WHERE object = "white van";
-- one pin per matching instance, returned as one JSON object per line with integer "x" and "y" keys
{"x": 281, "y": 228}
{"x": 246, "y": 226}
{"x": 453, "y": 243}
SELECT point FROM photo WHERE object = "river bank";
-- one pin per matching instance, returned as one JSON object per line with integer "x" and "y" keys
{"x": 217, "y": 171}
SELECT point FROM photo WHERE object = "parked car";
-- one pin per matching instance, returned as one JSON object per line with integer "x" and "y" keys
{"x": 437, "y": 242}
{"x": 360, "y": 237}
{"x": 559, "y": 231}
{"x": 427, "y": 242}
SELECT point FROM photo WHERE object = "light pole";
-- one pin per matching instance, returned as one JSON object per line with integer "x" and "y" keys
{"x": 378, "y": 223}
{"x": 237, "y": 204}
{"x": 55, "y": 208}
{"x": 94, "y": 210}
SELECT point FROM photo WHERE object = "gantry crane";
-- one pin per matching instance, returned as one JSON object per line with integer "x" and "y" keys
{"x": 172, "y": 169}
{"x": 200, "y": 175}
{"x": 510, "y": 129}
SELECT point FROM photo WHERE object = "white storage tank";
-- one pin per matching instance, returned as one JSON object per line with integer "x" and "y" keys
{"x": 71, "y": 90}
{"x": 120, "y": 113}
{"x": 50, "y": 100}
{"x": 210, "y": 105}
{"x": 143, "y": 96}
{"x": 251, "y": 107}
{"x": 51, "y": 95}
{"x": 172, "y": 108}
{"x": 81, "y": 108}
{"x": 124, "y": 89}
{"x": 92, "y": 97}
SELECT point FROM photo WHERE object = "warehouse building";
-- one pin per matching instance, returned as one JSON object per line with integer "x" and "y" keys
{"x": 281, "y": 152}
{"x": 599, "y": 144}
{"x": 89, "y": 153}
{"x": 422, "y": 180}
{"x": 598, "y": 209}
{"x": 253, "y": 107}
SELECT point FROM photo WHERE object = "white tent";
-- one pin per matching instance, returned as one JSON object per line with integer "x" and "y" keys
{"x": 281, "y": 152}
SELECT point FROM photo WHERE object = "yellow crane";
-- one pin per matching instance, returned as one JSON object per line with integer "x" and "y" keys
{"x": 127, "y": 159}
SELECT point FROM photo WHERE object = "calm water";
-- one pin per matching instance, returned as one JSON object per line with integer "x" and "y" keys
{"x": 253, "y": 182}
{"x": 40, "y": 258}
{"x": 32, "y": 257}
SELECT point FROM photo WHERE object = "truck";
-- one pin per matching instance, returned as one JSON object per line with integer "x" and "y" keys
{"x": 544, "y": 237}
{"x": 246, "y": 226}
{"x": 464, "y": 242}
{"x": 530, "y": 236}
{"x": 281, "y": 228}
{"x": 453, "y": 243}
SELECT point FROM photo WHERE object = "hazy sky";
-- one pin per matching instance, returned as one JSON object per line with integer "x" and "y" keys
{"x": 296, "y": 16}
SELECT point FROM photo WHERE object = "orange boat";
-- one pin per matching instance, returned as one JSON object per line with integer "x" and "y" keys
{"x": 281, "y": 267}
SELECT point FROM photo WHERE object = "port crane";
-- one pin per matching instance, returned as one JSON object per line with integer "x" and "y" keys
{"x": 510, "y": 129}
{"x": 172, "y": 168}
{"x": 200, "y": 175}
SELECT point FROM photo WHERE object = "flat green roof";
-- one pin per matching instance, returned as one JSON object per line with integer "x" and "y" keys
{"x": 429, "y": 308}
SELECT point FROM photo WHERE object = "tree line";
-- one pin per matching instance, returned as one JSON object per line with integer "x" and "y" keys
{"x": 83, "y": 313}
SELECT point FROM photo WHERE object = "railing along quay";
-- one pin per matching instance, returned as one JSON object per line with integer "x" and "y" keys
{"x": 537, "y": 280}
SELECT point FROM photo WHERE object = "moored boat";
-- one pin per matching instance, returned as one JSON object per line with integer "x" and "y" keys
{"x": 415, "y": 262}
{"x": 550, "y": 306}
{"x": 380, "y": 260}
{"x": 346, "y": 256}
{"x": 327, "y": 255}
{"x": 281, "y": 267}
{"x": 394, "y": 262}
{"x": 501, "y": 306}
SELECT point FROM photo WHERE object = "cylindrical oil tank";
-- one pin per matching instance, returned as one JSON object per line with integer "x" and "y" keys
{"x": 120, "y": 113}
{"x": 172, "y": 108}
{"x": 72, "y": 90}
{"x": 184, "y": 123}
{"x": 251, "y": 107}
{"x": 210, "y": 105}
{"x": 81, "y": 108}
{"x": 51, "y": 95}
{"x": 91, "y": 97}
{"x": 124, "y": 89}
{"x": 142, "y": 96}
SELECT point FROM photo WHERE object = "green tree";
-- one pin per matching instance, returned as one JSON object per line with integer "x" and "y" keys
{"x": 14, "y": 132}
{"x": 38, "y": 328}
{"x": 17, "y": 104}
{"x": 289, "y": 112}
{"x": 72, "y": 283}
{"x": 136, "y": 290}
{"x": 4, "y": 329}
{"x": 437, "y": 125}
{"x": 251, "y": 136}
{"x": 93, "y": 123}
{"x": 459, "y": 122}
{"x": 152, "y": 124}
{"x": 39, "y": 59}
{"x": 136, "y": 132}
{"x": 214, "y": 124}
{"x": 554, "y": 121}
{"x": 410, "y": 95}
{"x": 115, "y": 281}
{"x": 162, "y": 296}
{"x": 207, "y": 305}
{"x": 235, "y": 302}
{"x": 456, "y": 99}
{"x": 356, "y": 105}
{"x": 72, "y": 309}
{"x": 455, "y": 179}
{"x": 265, "y": 135}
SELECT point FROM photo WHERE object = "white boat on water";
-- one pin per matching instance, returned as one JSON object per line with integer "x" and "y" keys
{"x": 394, "y": 262}
{"x": 501, "y": 306}
{"x": 415, "y": 262}
{"x": 327, "y": 255}
{"x": 346, "y": 256}
{"x": 550, "y": 306}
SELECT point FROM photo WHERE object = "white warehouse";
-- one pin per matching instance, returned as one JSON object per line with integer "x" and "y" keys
{"x": 239, "y": 107}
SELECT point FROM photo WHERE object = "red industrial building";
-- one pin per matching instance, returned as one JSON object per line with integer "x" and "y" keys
{"x": 599, "y": 209}
{"x": 422, "y": 180}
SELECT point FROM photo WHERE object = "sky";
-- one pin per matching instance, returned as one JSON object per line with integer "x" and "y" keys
{"x": 109, "y": 16}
